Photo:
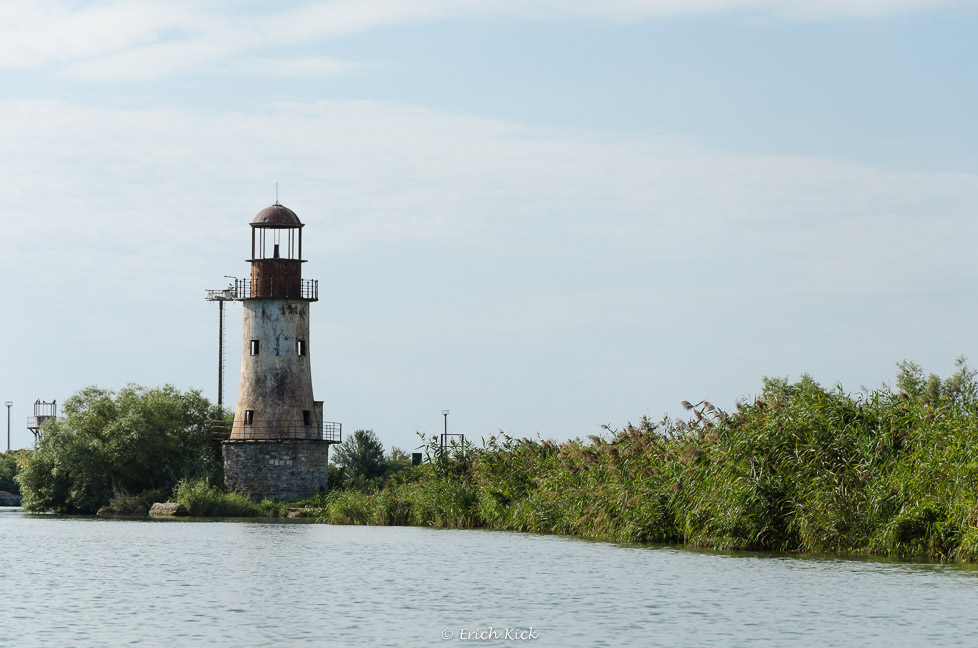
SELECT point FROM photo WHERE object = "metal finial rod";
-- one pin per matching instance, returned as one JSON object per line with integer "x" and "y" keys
{"x": 276, "y": 193}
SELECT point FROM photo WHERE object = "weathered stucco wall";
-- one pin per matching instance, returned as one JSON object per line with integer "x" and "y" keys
{"x": 276, "y": 384}
{"x": 277, "y": 470}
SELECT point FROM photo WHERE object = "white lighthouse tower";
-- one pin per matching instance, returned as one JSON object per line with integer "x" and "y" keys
{"x": 279, "y": 443}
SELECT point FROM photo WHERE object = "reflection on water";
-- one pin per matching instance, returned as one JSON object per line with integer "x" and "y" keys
{"x": 95, "y": 582}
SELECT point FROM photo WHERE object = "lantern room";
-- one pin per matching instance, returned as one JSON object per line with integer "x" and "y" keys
{"x": 276, "y": 233}
{"x": 276, "y": 257}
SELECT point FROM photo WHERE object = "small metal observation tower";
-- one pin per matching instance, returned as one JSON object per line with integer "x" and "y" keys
{"x": 43, "y": 412}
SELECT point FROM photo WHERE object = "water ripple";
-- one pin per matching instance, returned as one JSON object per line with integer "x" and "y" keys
{"x": 92, "y": 582}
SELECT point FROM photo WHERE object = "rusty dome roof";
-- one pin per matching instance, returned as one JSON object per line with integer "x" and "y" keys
{"x": 276, "y": 216}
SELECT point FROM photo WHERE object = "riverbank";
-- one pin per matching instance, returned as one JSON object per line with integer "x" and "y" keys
{"x": 800, "y": 469}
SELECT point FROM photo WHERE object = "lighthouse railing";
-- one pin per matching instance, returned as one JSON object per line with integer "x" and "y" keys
{"x": 308, "y": 289}
{"x": 286, "y": 429}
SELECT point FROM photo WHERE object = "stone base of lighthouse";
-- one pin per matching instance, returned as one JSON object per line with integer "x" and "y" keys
{"x": 276, "y": 469}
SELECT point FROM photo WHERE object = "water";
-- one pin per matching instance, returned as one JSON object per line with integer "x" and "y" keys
{"x": 95, "y": 582}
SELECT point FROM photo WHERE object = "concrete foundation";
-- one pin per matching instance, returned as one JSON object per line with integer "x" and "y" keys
{"x": 276, "y": 469}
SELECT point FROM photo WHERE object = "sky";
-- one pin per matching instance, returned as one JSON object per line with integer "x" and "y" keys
{"x": 542, "y": 216}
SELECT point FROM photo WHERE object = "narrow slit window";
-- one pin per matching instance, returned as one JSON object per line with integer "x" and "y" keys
{"x": 249, "y": 417}
{"x": 306, "y": 418}
{"x": 254, "y": 347}
{"x": 300, "y": 347}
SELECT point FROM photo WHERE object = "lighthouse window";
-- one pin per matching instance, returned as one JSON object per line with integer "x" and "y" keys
{"x": 300, "y": 347}
{"x": 305, "y": 417}
{"x": 249, "y": 417}
{"x": 254, "y": 347}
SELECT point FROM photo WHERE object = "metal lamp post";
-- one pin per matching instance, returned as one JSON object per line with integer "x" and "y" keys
{"x": 9, "y": 403}
{"x": 444, "y": 437}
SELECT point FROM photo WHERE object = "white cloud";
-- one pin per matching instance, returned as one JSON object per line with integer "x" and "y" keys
{"x": 310, "y": 66}
{"x": 151, "y": 61}
{"x": 374, "y": 172}
{"x": 37, "y": 32}
{"x": 144, "y": 38}
{"x": 634, "y": 10}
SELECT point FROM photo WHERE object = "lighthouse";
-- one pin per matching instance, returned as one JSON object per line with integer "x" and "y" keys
{"x": 279, "y": 443}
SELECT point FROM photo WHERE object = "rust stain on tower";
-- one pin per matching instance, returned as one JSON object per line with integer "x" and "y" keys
{"x": 279, "y": 442}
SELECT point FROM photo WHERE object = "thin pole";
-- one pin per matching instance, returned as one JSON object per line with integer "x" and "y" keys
{"x": 220, "y": 356}
{"x": 9, "y": 403}
{"x": 444, "y": 437}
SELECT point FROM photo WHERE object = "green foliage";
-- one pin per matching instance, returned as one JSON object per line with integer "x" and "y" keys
{"x": 151, "y": 496}
{"x": 105, "y": 443}
{"x": 396, "y": 462}
{"x": 8, "y": 472}
{"x": 959, "y": 389}
{"x": 360, "y": 458}
{"x": 800, "y": 468}
{"x": 204, "y": 500}
{"x": 335, "y": 477}
{"x": 347, "y": 507}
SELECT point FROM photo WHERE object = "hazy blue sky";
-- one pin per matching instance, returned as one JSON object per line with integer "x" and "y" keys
{"x": 543, "y": 216}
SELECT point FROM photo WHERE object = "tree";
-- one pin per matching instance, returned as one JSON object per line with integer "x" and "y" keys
{"x": 8, "y": 471}
{"x": 104, "y": 443}
{"x": 361, "y": 457}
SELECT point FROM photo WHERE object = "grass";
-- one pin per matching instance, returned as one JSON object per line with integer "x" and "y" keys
{"x": 800, "y": 468}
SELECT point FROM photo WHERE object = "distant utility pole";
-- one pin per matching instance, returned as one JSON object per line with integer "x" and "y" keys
{"x": 9, "y": 403}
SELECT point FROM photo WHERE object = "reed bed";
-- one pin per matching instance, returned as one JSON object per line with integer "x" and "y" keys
{"x": 799, "y": 468}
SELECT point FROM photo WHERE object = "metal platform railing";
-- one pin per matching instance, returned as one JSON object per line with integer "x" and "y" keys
{"x": 245, "y": 289}
{"x": 228, "y": 294}
{"x": 331, "y": 432}
{"x": 36, "y": 422}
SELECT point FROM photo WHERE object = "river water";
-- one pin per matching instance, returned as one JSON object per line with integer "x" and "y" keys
{"x": 96, "y": 582}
